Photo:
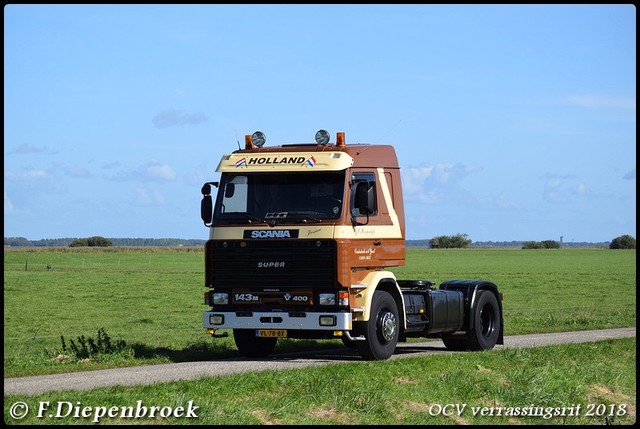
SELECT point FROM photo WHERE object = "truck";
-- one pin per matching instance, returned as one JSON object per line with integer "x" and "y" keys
{"x": 302, "y": 238}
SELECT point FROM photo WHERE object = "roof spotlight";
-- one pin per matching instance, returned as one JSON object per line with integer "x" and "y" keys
{"x": 258, "y": 139}
{"x": 322, "y": 137}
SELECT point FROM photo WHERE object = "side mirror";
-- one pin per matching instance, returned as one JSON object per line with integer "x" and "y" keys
{"x": 364, "y": 201}
{"x": 206, "y": 188}
{"x": 206, "y": 210}
{"x": 229, "y": 190}
{"x": 206, "y": 205}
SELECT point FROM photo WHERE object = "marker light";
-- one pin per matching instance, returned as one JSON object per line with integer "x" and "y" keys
{"x": 258, "y": 139}
{"x": 322, "y": 137}
{"x": 343, "y": 298}
{"x": 248, "y": 144}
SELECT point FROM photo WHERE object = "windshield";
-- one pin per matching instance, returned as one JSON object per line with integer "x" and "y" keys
{"x": 280, "y": 196}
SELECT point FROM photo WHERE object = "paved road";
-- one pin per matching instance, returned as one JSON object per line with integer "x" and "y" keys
{"x": 193, "y": 370}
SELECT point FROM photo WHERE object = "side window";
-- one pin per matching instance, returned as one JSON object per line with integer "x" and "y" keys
{"x": 369, "y": 178}
{"x": 235, "y": 195}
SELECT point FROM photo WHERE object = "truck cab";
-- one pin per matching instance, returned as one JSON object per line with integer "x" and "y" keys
{"x": 301, "y": 236}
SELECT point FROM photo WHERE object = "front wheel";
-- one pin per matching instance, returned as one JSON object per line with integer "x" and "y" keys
{"x": 251, "y": 346}
{"x": 382, "y": 330}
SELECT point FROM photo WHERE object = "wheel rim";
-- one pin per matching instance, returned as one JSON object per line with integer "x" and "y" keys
{"x": 387, "y": 326}
{"x": 487, "y": 321}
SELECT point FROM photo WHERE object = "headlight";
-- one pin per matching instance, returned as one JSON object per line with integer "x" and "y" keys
{"x": 327, "y": 299}
{"x": 258, "y": 139}
{"x": 220, "y": 298}
{"x": 322, "y": 137}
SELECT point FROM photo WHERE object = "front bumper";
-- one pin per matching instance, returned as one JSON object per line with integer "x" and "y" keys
{"x": 277, "y": 320}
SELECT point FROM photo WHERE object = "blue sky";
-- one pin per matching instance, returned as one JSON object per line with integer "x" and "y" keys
{"x": 511, "y": 122}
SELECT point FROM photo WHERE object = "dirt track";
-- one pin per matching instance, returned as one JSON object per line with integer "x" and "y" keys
{"x": 193, "y": 370}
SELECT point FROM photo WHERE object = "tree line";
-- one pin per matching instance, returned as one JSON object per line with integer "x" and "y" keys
{"x": 439, "y": 242}
{"x": 97, "y": 241}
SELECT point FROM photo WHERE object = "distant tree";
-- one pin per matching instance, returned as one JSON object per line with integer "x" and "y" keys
{"x": 546, "y": 244}
{"x": 79, "y": 242}
{"x": 450, "y": 241}
{"x": 16, "y": 241}
{"x": 623, "y": 242}
{"x": 99, "y": 242}
{"x": 531, "y": 245}
{"x": 95, "y": 241}
{"x": 550, "y": 244}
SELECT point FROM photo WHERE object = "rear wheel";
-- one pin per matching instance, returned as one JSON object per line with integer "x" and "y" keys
{"x": 382, "y": 330}
{"x": 487, "y": 322}
{"x": 251, "y": 346}
{"x": 487, "y": 325}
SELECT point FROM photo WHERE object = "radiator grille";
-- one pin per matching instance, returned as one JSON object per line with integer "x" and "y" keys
{"x": 258, "y": 264}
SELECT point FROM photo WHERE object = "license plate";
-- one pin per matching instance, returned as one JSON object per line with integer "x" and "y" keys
{"x": 272, "y": 333}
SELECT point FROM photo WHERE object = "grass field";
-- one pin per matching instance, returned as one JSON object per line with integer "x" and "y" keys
{"x": 555, "y": 385}
{"x": 152, "y": 300}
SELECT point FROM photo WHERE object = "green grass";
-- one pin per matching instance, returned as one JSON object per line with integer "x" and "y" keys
{"x": 151, "y": 298}
{"x": 550, "y": 290}
{"x": 566, "y": 379}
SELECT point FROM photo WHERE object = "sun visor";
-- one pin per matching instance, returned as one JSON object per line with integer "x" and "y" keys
{"x": 285, "y": 161}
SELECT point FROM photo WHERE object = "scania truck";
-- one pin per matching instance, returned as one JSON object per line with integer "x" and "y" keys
{"x": 301, "y": 239}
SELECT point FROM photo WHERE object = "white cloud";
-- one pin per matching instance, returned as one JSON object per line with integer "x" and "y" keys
{"x": 27, "y": 176}
{"x": 173, "y": 118}
{"x": 146, "y": 197}
{"x": 160, "y": 172}
{"x": 8, "y": 205}
{"x": 431, "y": 184}
{"x": 77, "y": 171}
{"x": 27, "y": 148}
{"x": 579, "y": 189}
{"x": 500, "y": 202}
{"x": 631, "y": 175}
{"x": 594, "y": 102}
{"x": 413, "y": 178}
{"x": 563, "y": 189}
{"x": 151, "y": 172}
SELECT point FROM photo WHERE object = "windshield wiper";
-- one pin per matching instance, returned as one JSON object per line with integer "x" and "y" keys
{"x": 306, "y": 216}
{"x": 251, "y": 218}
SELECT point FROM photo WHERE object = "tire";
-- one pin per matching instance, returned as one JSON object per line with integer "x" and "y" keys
{"x": 487, "y": 324}
{"x": 251, "y": 346}
{"x": 382, "y": 330}
{"x": 455, "y": 344}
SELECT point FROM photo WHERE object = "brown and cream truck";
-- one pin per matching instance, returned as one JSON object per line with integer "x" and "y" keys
{"x": 301, "y": 239}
